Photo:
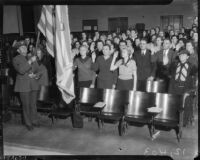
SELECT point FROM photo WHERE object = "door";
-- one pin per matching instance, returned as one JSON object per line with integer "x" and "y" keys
{"x": 118, "y": 25}
{"x": 176, "y": 21}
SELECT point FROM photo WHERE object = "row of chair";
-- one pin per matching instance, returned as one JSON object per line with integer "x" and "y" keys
{"x": 47, "y": 103}
{"x": 130, "y": 108}
{"x": 126, "y": 108}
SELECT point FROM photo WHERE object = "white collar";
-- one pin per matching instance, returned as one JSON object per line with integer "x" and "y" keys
{"x": 144, "y": 51}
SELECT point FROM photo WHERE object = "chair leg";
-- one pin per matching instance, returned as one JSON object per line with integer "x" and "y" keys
{"x": 150, "y": 130}
{"x": 52, "y": 119}
{"x": 100, "y": 123}
{"x": 178, "y": 134}
{"x": 122, "y": 127}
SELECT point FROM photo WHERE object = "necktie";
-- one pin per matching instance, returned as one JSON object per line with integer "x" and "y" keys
{"x": 143, "y": 53}
{"x": 181, "y": 72}
{"x": 165, "y": 58}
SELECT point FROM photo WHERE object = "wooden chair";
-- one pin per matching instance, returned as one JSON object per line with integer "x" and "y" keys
{"x": 171, "y": 116}
{"x": 113, "y": 112}
{"x": 88, "y": 97}
{"x": 158, "y": 86}
{"x": 8, "y": 103}
{"x": 45, "y": 103}
{"x": 136, "y": 111}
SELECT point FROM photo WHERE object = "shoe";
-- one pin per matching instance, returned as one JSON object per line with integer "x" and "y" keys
{"x": 29, "y": 127}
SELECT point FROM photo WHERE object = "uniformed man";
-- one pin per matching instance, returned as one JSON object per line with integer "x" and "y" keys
{"x": 27, "y": 85}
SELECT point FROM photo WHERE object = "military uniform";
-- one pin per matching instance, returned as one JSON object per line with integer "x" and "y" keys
{"x": 27, "y": 88}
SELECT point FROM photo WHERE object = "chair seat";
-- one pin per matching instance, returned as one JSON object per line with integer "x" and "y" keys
{"x": 45, "y": 102}
{"x": 89, "y": 109}
{"x": 15, "y": 108}
{"x": 136, "y": 118}
{"x": 166, "y": 123}
{"x": 61, "y": 113}
{"x": 95, "y": 114}
{"x": 44, "y": 106}
{"x": 110, "y": 116}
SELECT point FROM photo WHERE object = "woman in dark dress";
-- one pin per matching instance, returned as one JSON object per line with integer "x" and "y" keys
{"x": 106, "y": 79}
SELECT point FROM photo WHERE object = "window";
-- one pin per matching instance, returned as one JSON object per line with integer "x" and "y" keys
{"x": 89, "y": 25}
{"x": 176, "y": 21}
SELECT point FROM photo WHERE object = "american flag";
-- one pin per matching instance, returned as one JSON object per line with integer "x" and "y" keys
{"x": 59, "y": 38}
{"x": 46, "y": 26}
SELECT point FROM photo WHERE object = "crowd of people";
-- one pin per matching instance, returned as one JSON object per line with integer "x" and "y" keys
{"x": 123, "y": 61}
{"x": 126, "y": 60}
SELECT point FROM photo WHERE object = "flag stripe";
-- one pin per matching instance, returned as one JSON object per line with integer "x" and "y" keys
{"x": 62, "y": 46}
{"x": 64, "y": 60}
{"x": 45, "y": 25}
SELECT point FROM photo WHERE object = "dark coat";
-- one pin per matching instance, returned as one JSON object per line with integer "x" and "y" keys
{"x": 144, "y": 65}
{"x": 23, "y": 82}
{"x": 162, "y": 71}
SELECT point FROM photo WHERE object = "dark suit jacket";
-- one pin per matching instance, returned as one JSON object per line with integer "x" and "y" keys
{"x": 23, "y": 82}
{"x": 144, "y": 65}
{"x": 160, "y": 70}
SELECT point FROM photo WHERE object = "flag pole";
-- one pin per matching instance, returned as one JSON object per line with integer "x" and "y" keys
{"x": 38, "y": 38}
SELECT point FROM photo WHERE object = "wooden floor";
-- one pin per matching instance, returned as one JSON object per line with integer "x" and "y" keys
{"x": 62, "y": 138}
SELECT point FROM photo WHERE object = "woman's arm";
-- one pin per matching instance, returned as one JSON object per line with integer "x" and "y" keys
{"x": 135, "y": 76}
{"x": 114, "y": 66}
{"x": 93, "y": 79}
{"x": 135, "y": 80}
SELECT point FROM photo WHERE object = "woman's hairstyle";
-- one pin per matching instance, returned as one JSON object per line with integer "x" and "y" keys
{"x": 129, "y": 58}
{"x": 99, "y": 41}
{"x": 144, "y": 39}
{"x": 83, "y": 46}
{"x": 107, "y": 45}
{"x": 183, "y": 40}
{"x": 189, "y": 41}
{"x": 122, "y": 41}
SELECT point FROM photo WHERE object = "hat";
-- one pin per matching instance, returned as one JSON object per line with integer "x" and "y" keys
{"x": 19, "y": 44}
{"x": 184, "y": 52}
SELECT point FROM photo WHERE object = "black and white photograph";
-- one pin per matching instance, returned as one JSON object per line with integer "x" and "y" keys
{"x": 117, "y": 80}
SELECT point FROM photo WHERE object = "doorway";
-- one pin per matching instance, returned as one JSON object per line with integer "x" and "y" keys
{"x": 119, "y": 24}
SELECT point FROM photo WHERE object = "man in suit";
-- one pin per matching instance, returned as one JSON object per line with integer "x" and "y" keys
{"x": 162, "y": 61}
{"x": 27, "y": 85}
{"x": 143, "y": 61}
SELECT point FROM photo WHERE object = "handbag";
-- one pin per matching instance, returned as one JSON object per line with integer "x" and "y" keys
{"x": 77, "y": 119}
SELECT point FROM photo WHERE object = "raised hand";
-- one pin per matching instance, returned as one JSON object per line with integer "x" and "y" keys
{"x": 93, "y": 56}
{"x": 33, "y": 59}
{"x": 115, "y": 55}
{"x": 178, "y": 47}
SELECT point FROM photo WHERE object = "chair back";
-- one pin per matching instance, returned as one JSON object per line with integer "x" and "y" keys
{"x": 115, "y": 101}
{"x": 158, "y": 86}
{"x": 90, "y": 95}
{"x": 170, "y": 104}
{"x": 138, "y": 103}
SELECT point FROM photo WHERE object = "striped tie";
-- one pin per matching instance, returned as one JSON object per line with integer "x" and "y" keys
{"x": 181, "y": 72}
